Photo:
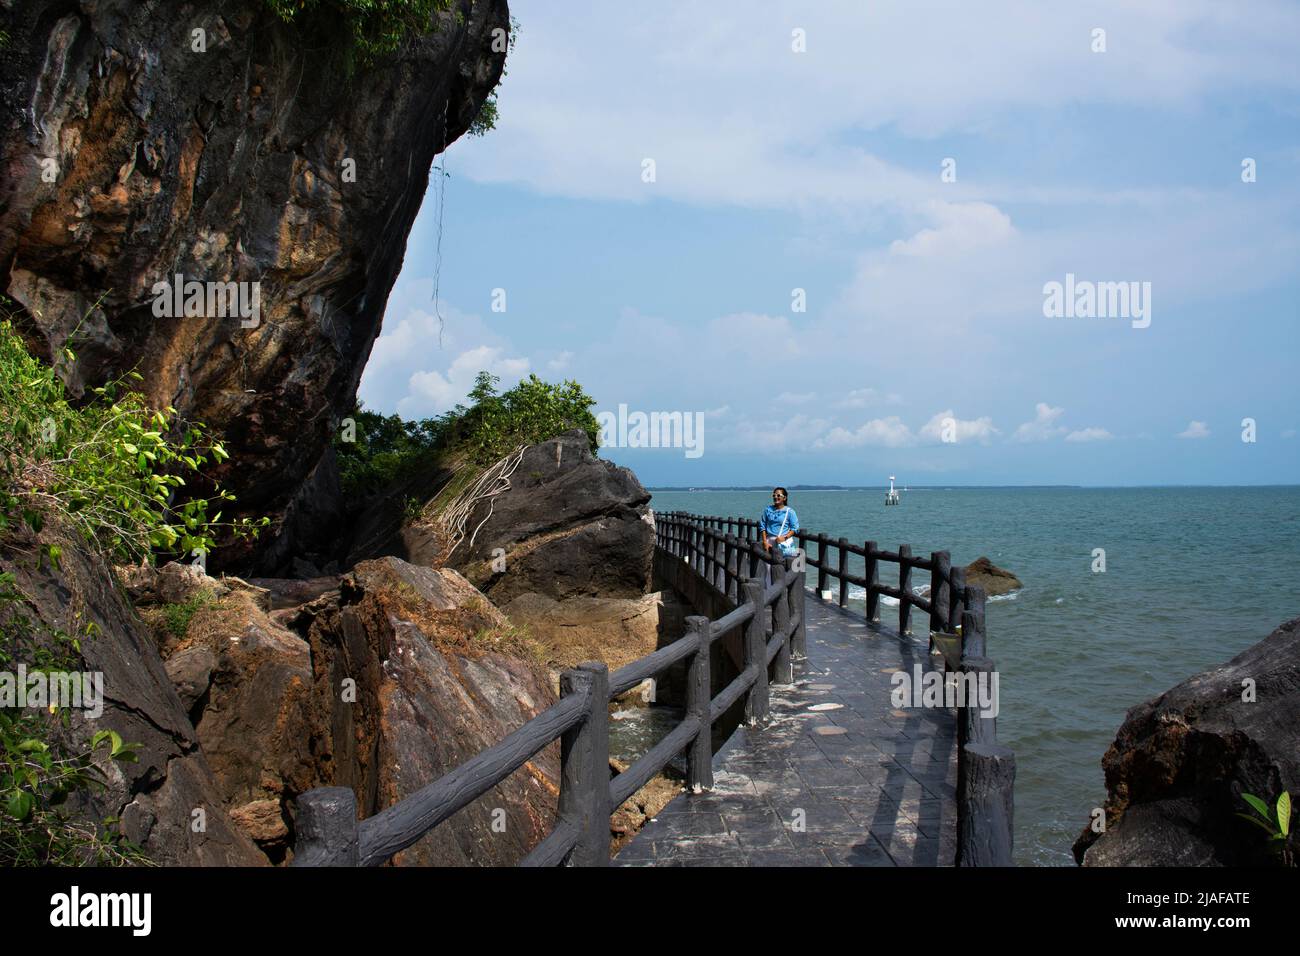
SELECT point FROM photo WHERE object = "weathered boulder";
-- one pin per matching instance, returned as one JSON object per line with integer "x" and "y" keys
{"x": 131, "y": 158}
{"x": 994, "y": 580}
{"x": 416, "y": 672}
{"x": 570, "y": 525}
{"x": 156, "y": 798}
{"x": 1180, "y": 763}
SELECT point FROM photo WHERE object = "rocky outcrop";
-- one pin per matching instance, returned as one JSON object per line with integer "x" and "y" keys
{"x": 994, "y": 580}
{"x": 570, "y": 525}
{"x": 132, "y": 156}
{"x": 437, "y": 675}
{"x": 382, "y": 684}
{"x": 160, "y": 798}
{"x": 1180, "y": 763}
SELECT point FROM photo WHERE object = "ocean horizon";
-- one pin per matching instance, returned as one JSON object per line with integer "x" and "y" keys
{"x": 1189, "y": 582}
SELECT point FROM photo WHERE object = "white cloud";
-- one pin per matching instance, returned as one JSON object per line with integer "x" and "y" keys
{"x": 1195, "y": 430}
{"x": 773, "y": 116}
{"x": 1043, "y": 427}
{"x": 1089, "y": 434}
{"x": 946, "y": 422}
{"x": 959, "y": 227}
{"x": 560, "y": 362}
{"x": 433, "y": 392}
{"x": 862, "y": 397}
{"x": 796, "y": 398}
{"x": 882, "y": 432}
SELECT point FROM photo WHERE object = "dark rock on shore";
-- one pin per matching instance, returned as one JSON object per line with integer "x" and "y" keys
{"x": 994, "y": 580}
{"x": 1180, "y": 763}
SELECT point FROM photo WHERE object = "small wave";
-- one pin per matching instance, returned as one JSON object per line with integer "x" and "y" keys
{"x": 1009, "y": 596}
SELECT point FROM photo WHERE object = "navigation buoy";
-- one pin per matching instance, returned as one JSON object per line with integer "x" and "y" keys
{"x": 891, "y": 496}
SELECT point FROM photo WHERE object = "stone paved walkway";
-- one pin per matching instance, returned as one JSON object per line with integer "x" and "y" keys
{"x": 835, "y": 777}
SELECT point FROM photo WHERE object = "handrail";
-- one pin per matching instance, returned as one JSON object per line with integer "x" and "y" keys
{"x": 735, "y": 565}
{"x": 580, "y": 836}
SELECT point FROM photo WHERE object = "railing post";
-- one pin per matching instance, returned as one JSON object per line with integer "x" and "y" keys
{"x": 872, "y": 578}
{"x": 821, "y": 561}
{"x": 940, "y": 562}
{"x": 798, "y": 606}
{"x": 904, "y": 589}
{"x": 699, "y": 697}
{"x": 728, "y": 559}
{"x": 755, "y": 654}
{"x": 782, "y": 669}
{"x": 844, "y": 572}
{"x": 325, "y": 828}
{"x": 584, "y": 766}
{"x": 973, "y": 642}
{"x": 986, "y": 774}
{"x": 956, "y": 597}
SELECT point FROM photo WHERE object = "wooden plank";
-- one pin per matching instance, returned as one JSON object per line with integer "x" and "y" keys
{"x": 652, "y": 665}
{"x": 747, "y": 680}
{"x": 553, "y": 850}
{"x": 650, "y": 763}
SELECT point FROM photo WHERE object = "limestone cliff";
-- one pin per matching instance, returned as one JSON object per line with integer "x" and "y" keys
{"x": 130, "y": 157}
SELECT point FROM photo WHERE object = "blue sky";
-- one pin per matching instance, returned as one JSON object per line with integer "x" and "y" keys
{"x": 820, "y": 170}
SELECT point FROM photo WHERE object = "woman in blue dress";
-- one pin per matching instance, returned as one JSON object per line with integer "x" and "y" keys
{"x": 779, "y": 524}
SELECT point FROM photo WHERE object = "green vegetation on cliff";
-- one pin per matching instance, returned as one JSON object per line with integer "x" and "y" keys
{"x": 105, "y": 473}
{"x": 388, "y": 447}
{"x": 112, "y": 468}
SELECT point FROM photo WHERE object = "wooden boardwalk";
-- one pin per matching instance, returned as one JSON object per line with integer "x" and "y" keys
{"x": 836, "y": 776}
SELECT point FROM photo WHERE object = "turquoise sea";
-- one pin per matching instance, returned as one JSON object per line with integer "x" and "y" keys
{"x": 1193, "y": 576}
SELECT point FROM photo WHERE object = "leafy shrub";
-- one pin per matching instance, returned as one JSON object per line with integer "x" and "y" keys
{"x": 376, "y": 28}
{"x": 108, "y": 468}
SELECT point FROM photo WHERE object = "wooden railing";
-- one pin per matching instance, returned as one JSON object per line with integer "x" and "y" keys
{"x": 767, "y": 593}
{"x": 985, "y": 769}
{"x": 328, "y": 833}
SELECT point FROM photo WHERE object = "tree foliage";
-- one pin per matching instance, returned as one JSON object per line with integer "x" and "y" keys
{"x": 388, "y": 447}
{"x": 114, "y": 469}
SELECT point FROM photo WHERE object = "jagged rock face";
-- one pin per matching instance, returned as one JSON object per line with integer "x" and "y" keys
{"x": 129, "y": 158}
{"x": 1180, "y": 762}
{"x": 157, "y": 797}
{"x": 433, "y": 688}
{"x": 570, "y": 525}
